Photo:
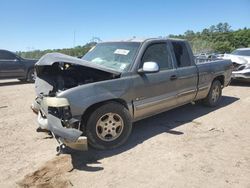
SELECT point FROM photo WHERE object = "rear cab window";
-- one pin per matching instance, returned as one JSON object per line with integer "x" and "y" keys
{"x": 181, "y": 54}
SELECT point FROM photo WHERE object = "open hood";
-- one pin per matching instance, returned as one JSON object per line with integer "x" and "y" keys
{"x": 58, "y": 72}
{"x": 51, "y": 58}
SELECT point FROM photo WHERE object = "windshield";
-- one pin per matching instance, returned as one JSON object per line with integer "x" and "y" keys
{"x": 241, "y": 52}
{"x": 114, "y": 55}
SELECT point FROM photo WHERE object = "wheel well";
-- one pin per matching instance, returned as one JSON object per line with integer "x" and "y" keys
{"x": 221, "y": 79}
{"x": 93, "y": 107}
{"x": 28, "y": 70}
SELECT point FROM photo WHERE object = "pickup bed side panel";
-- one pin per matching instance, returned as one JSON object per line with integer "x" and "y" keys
{"x": 208, "y": 72}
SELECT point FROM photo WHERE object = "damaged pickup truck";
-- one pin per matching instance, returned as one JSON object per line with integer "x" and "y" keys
{"x": 115, "y": 84}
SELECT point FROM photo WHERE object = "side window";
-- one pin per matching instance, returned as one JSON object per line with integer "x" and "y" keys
{"x": 181, "y": 54}
{"x": 4, "y": 55}
{"x": 160, "y": 54}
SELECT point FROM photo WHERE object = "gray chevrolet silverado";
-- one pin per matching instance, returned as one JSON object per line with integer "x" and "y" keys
{"x": 115, "y": 84}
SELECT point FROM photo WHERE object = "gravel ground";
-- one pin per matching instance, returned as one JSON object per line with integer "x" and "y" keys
{"x": 191, "y": 146}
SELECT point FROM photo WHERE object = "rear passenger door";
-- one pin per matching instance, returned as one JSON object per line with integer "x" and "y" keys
{"x": 187, "y": 72}
{"x": 155, "y": 92}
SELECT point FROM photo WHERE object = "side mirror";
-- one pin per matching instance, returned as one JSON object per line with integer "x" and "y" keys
{"x": 149, "y": 67}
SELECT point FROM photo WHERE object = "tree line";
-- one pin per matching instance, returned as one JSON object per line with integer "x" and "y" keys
{"x": 77, "y": 51}
{"x": 218, "y": 38}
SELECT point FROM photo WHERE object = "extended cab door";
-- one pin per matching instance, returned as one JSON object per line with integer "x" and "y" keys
{"x": 10, "y": 65}
{"x": 187, "y": 72}
{"x": 155, "y": 92}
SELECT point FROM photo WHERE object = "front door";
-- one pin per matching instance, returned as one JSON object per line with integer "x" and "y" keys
{"x": 155, "y": 92}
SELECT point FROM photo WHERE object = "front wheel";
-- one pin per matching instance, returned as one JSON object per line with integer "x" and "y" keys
{"x": 109, "y": 126}
{"x": 31, "y": 76}
{"x": 214, "y": 94}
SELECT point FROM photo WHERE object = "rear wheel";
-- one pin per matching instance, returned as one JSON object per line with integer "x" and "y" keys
{"x": 108, "y": 126}
{"x": 214, "y": 94}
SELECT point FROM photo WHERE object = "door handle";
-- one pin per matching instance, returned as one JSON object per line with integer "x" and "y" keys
{"x": 173, "y": 77}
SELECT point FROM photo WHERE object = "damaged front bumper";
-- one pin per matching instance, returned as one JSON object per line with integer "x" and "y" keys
{"x": 241, "y": 75}
{"x": 54, "y": 115}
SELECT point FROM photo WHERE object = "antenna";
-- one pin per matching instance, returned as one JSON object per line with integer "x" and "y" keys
{"x": 74, "y": 41}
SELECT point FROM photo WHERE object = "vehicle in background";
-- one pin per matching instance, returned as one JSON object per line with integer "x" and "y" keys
{"x": 13, "y": 66}
{"x": 203, "y": 55}
{"x": 219, "y": 56}
{"x": 206, "y": 57}
{"x": 117, "y": 83}
{"x": 241, "y": 63}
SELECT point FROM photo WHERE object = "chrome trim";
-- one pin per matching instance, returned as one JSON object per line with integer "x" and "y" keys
{"x": 203, "y": 88}
{"x": 154, "y": 102}
{"x": 14, "y": 60}
{"x": 188, "y": 76}
{"x": 186, "y": 92}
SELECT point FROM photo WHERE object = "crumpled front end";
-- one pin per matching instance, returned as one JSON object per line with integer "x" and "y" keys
{"x": 54, "y": 115}
{"x": 242, "y": 73}
{"x": 58, "y": 73}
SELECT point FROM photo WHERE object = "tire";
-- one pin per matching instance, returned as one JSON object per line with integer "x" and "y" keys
{"x": 31, "y": 76}
{"x": 108, "y": 126}
{"x": 214, "y": 95}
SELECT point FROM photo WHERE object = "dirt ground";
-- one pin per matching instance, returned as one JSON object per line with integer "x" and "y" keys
{"x": 191, "y": 146}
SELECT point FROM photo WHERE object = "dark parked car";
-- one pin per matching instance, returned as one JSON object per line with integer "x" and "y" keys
{"x": 13, "y": 66}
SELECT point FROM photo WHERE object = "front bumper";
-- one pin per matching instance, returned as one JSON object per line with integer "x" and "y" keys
{"x": 66, "y": 131}
{"x": 241, "y": 75}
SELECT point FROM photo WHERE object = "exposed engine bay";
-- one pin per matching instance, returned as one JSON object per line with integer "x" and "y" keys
{"x": 62, "y": 76}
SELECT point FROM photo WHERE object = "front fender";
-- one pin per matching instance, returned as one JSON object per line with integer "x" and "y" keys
{"x": 82, "y": 97}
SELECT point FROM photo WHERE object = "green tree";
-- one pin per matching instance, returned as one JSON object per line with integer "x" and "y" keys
{"x": 217, "y": 38}
{"x": 223, "y": 47}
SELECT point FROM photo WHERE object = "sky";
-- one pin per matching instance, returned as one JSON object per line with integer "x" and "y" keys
{"x": 50, "y": 24}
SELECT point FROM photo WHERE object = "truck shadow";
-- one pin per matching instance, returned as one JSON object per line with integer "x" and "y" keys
{"x": 145, "y": 129}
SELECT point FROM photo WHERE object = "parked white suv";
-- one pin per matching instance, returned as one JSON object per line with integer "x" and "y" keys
{"x": 241, "y": 62}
